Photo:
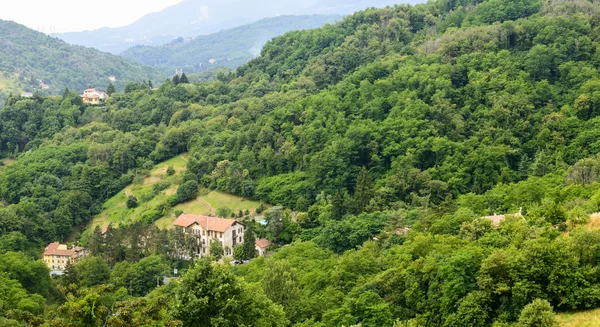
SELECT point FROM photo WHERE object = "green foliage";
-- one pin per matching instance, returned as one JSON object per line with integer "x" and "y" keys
{"x": 210, "y": 295}
{"x": 36, "y": 56}
{"x": 170, "y": 171}
{"x": 187, "y": 191}
{"x": 537, "y": 314}
{"x": 91, "y": 271}
{"x": 216, "y": 250}
{"x": 132, "y": 202}
{"x": 248, "y": 247}
{"x": 223, "y": 212}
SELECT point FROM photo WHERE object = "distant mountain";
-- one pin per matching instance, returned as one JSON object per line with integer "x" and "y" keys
{"x": 230, "y": 48}
{"x": 191, "y": 18}
{"x": 28, "y": 58}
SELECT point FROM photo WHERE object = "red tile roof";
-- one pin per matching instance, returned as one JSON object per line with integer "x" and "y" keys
{"x": 262, "y": 243}
{"x": 208, "y": 223}
{"x": 52, "y": 249}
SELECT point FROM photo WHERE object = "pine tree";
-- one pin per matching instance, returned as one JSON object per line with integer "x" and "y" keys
{"x": 95, "y": 242}
{"x": 363, "y": 191}
{"x": 176, "y": 80}
{"x": 249, "y": 242}
{"x": 183, "y": 79}
{"x": 150, "y": 86}
{"x": 111, "y": 89}
{"x": 66, "y": 92}
{"x": 338, "y": 209}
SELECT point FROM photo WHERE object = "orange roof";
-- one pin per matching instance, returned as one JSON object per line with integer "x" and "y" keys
{"x": 262, "y": 243}
{"x": 52, "y": 249}
{"x": 208, "y": 223}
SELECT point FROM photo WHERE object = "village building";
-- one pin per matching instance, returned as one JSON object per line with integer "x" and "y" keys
{"x": 27, "y": 95}
{"x": 497, "y": 219}
{"x": 56, "y": 255}
{"x": 93, "y": 96}
{"x": 229, "y": 232}
{"x": 112, "y": 78}
{"x": 261, "y": 246}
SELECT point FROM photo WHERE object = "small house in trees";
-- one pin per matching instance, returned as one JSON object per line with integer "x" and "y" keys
{"x": 112, "y": 78}
{"x": 497, "y": 219}
{"x": 26, "y": 95}
{"x": 44, "y": 86}
{"x": 261, "y": 246}
{"x": 93, "y": 96}
{"x": 229, "y": 232}
{"x": 56, "y": 255}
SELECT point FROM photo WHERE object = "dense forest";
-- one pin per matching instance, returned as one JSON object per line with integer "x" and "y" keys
{"x": 379, "y": 141}
{"x": 28, "y": 57}
{"x": 228, "y": 48}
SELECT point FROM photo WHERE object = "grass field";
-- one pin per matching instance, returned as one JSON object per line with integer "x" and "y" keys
{"x": 589, "y": 318}
{"x": 115, "y": 210}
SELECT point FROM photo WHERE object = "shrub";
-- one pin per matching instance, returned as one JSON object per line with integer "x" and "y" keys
{"x": 132, "y": 202}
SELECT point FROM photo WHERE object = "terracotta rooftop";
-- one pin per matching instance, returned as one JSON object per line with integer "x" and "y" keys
{"x": 262, "y": 243}
{"x": 208, "y": 223}
{"x": 53, "y": 249}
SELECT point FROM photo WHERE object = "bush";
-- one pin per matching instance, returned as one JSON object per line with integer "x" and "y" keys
{"x": 223, "y": 212}
{"x": 187, "y": 191}
{"x": 132, "y": 202}
{"x": 537, "y": 314}
{"x": 160, "y": 186}
{"x": 170, "y": 171}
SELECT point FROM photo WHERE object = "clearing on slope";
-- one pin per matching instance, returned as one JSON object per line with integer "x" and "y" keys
{"x": 589, "y": 318}
{"x": 152, "y": 192}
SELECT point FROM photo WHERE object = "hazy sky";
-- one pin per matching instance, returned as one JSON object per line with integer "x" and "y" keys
{"x": 78, "y": 15}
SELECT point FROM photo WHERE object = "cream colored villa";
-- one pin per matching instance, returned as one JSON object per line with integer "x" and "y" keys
{"x": 229, "y": 232}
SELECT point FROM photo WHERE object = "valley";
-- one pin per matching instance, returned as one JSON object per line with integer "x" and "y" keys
{"x": 426, "y": 165}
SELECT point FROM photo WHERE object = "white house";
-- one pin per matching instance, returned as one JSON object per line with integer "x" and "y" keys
{"x": 229, "y": 232}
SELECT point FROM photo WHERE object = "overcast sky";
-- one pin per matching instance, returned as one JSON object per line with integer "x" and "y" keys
{"x": 77, "y": 15}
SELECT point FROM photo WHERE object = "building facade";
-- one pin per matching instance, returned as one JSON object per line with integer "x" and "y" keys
{"x": 93, "y": 96}
{"x": 56, "y": 255}
{"x": 261, "y": 245}
{"x": 229, "y": 232}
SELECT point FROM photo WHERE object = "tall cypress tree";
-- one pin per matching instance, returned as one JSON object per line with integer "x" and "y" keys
{"x": 176, "y": 79}
{"x": 111, "y": 89}
{"x": 183, "y": 79}
{"x": 249, "y": 242}
{"x": 363, "y": 191}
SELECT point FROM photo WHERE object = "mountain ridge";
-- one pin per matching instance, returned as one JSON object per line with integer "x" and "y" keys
{"x": 229, "y": 48}
{"x": 29, "y": 58}
{"x": 191, "y": 18}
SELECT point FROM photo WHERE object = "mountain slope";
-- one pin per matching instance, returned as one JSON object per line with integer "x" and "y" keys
{"x": 230, "y": 48}
{"x": 27, "y": 56}
{"x": 191, "y": 18}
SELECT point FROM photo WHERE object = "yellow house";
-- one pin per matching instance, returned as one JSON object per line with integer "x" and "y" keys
{"x": 93, "y": 96}
{"x": 56, "y": 255}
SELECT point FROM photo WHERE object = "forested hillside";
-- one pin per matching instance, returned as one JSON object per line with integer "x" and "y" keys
{"x": 28, "y": 57}
{"x": 381, "y": 141}
{"x": 230, "y": 48}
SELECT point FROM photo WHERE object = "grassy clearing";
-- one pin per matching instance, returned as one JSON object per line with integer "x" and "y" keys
{"x": 589, "y": 318}
{"x": 115, "y": 209}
